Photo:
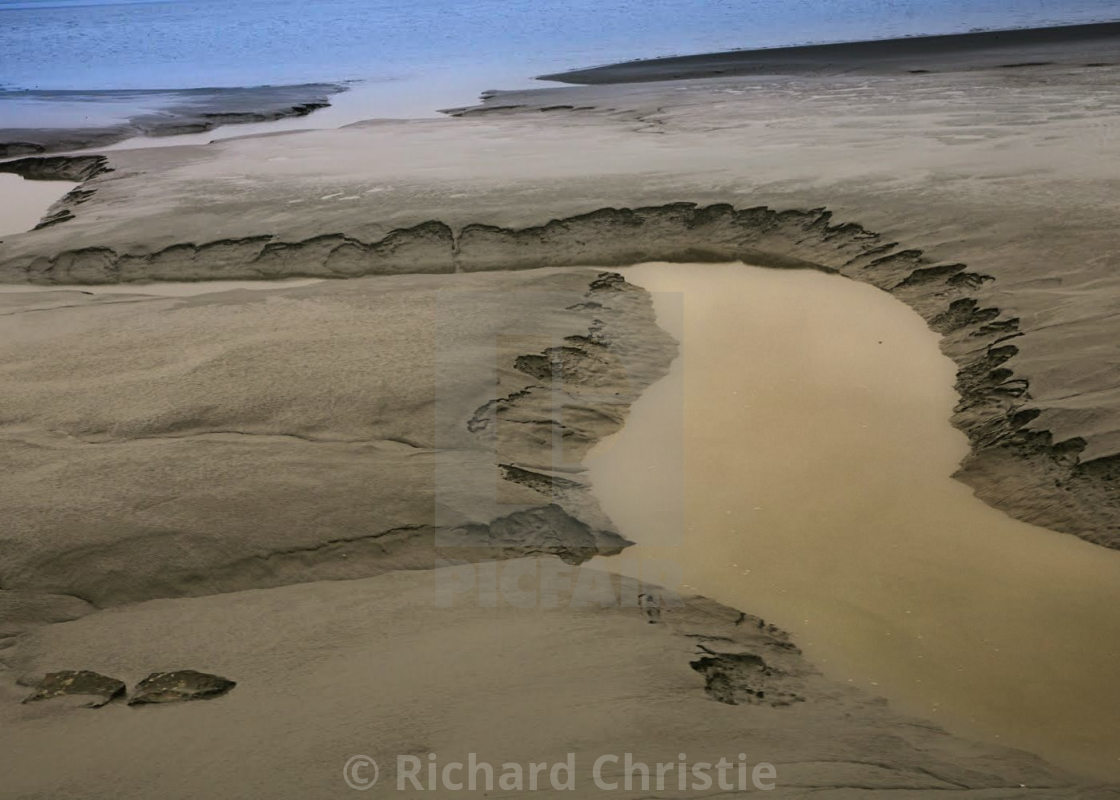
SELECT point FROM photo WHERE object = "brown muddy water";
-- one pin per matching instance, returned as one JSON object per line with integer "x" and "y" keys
{"x": 796, "y": 465}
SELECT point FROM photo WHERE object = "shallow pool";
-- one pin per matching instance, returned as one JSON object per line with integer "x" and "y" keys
{"x": 796, "y": 464}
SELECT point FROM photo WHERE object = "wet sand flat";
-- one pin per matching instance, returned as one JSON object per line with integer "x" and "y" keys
{"x": 303, "y": 513}
{"x": 237, "y": 459}
{"x": 377, "y": 667}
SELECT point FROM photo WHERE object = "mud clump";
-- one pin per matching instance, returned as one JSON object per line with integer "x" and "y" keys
{"x": 743, "y": 678}
{"x": 179, "y": 686}
{"x": 78, "y": 683}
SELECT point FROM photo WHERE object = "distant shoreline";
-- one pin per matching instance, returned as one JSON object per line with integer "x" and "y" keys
{"x": 981, "y": 49}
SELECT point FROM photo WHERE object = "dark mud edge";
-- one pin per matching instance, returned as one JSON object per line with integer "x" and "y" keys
{"x": 979, "y": 48}
{"x": 187, "y": 111}
{"x": 1022, "y": 471}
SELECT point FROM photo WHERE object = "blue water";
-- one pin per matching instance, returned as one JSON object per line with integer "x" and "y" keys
{"x": 432, "y": 52}
{"x": 92, "y": 44}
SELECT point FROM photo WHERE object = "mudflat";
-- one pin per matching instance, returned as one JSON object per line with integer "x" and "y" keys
{"x": 276, "y": 486}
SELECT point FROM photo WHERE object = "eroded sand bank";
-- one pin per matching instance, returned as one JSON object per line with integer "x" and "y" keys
{"x": 983, "y": 199}
{"x": 815, "y": 488}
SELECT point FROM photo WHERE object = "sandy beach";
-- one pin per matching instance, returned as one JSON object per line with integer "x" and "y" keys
{"x": 376, "y": 490}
